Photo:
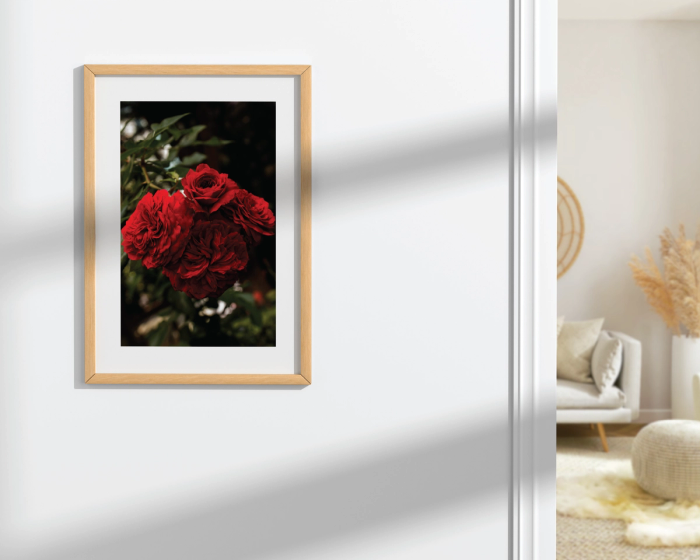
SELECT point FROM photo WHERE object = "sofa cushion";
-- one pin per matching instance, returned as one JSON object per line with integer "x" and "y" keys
{"x": 575, "y": 346}
{"x": 606, "y": 362}
{"x": 572, "y": 394}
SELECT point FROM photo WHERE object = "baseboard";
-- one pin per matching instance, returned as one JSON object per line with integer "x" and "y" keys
{"x": 647, "y": 415}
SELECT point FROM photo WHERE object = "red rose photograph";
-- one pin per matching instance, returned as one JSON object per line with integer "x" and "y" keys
{"x": 198, "y": 224}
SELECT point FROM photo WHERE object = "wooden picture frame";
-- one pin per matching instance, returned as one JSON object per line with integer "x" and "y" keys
{"x": 91, "y": 72}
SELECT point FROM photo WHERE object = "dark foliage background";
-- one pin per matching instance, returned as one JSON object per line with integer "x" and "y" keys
{"x": 237, "y": 138}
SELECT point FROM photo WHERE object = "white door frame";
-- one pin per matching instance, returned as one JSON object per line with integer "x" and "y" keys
{"x": 534, "y": 277}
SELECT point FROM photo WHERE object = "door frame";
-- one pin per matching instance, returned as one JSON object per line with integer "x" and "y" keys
{"x": 533, "y": 278}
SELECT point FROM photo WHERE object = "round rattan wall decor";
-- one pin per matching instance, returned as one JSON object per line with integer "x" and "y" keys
{"x": 570, "y": 227}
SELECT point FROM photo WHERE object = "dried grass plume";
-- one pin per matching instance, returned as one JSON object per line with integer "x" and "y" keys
{"x": 674, "y": 293}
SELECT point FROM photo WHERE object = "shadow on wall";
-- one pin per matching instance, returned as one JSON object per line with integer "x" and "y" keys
{"x": 373, "y": 495}
{"x": 444, "y": 147}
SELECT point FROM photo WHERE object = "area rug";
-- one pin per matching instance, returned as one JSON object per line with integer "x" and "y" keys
{"x": 603, "y": 513}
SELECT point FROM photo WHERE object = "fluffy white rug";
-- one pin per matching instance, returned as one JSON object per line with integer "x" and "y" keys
{"x": 614, "y": 494}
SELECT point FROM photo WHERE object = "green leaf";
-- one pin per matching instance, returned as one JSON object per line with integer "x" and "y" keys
{"x": 126, "y": 122}
{"x": 193, "y": 159}
{"x": 162, "y": 140}
{"x": 126, "y": 153}
{"x": 181, "y": 170}
{"x": 229, "y": 296}
{"x": 156, "y": 168}
{"x": 165, "y": 123}
{"x": 134, "y": 199}
{"x": 245, "y": 301}
{"x": 157, "y": 336}
{"x": 213, "y": 141}
{"x": 255, "y": 316}
{"x": 128, "y": 144}
{"x": 174, "y": 163}
{"x": 126, "y": 173}
{"x": 191, "y": 135}
{"x": 182, "y": 302}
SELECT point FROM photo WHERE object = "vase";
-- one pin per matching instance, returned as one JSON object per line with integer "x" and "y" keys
{"x": 685, "y": 362}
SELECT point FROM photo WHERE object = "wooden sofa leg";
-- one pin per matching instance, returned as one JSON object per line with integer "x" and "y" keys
{"x": 603, "y": 439}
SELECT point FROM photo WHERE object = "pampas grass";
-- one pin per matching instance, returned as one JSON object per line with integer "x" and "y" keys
{"x": 674, "y": 293}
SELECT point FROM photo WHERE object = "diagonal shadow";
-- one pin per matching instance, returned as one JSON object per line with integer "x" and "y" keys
{"x": 321, "y": 506}
{"x": 375, "y": 494}
{"x": 342, "y": 171}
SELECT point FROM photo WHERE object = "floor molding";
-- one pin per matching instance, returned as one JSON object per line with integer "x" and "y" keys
{"x": 647, "y": 415}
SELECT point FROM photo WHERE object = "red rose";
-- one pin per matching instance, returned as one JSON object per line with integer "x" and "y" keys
{"x": 250, "y": 212}
{"x": 207, "y": 188}
{"x": 157, "y": 230}
{"x": 215, "y": 253}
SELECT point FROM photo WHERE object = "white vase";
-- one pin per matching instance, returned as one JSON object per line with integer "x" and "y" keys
{"x": 685, "y": 362}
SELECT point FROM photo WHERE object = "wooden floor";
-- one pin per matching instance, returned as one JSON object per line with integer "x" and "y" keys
{"x": 611, "y": 430}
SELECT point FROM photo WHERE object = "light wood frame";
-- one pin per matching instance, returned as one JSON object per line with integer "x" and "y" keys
{"x": 90, "y": 72}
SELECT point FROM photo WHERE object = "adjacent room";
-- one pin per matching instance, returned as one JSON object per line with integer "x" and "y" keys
{"x": 628, "y": 357}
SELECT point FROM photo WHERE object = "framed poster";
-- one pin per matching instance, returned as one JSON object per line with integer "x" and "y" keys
{"x": 197, "y": 224}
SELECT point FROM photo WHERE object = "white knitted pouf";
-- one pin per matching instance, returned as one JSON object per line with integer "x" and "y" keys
{"x": 666, "y": 459}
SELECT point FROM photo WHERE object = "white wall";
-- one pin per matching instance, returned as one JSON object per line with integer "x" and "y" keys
{"x": 628, "y": 145}
{"x": 400, "y": 447}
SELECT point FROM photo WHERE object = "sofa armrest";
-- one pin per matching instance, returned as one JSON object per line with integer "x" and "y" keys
{"x": 631, "y": 376}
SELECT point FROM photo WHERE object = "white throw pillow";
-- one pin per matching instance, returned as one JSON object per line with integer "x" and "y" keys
{"x": 560, "y": 324}
{"x": 606, "y": 362}
{"x": 574, "y": 349}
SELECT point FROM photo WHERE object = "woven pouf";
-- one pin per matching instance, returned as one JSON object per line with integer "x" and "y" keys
{"x": 666, "y": 459}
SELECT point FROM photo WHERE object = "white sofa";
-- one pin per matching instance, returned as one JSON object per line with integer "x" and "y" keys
{"x": 582, "y": 403}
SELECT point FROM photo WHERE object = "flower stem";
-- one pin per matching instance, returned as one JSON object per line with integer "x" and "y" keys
{"x": 145, "y": 174}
